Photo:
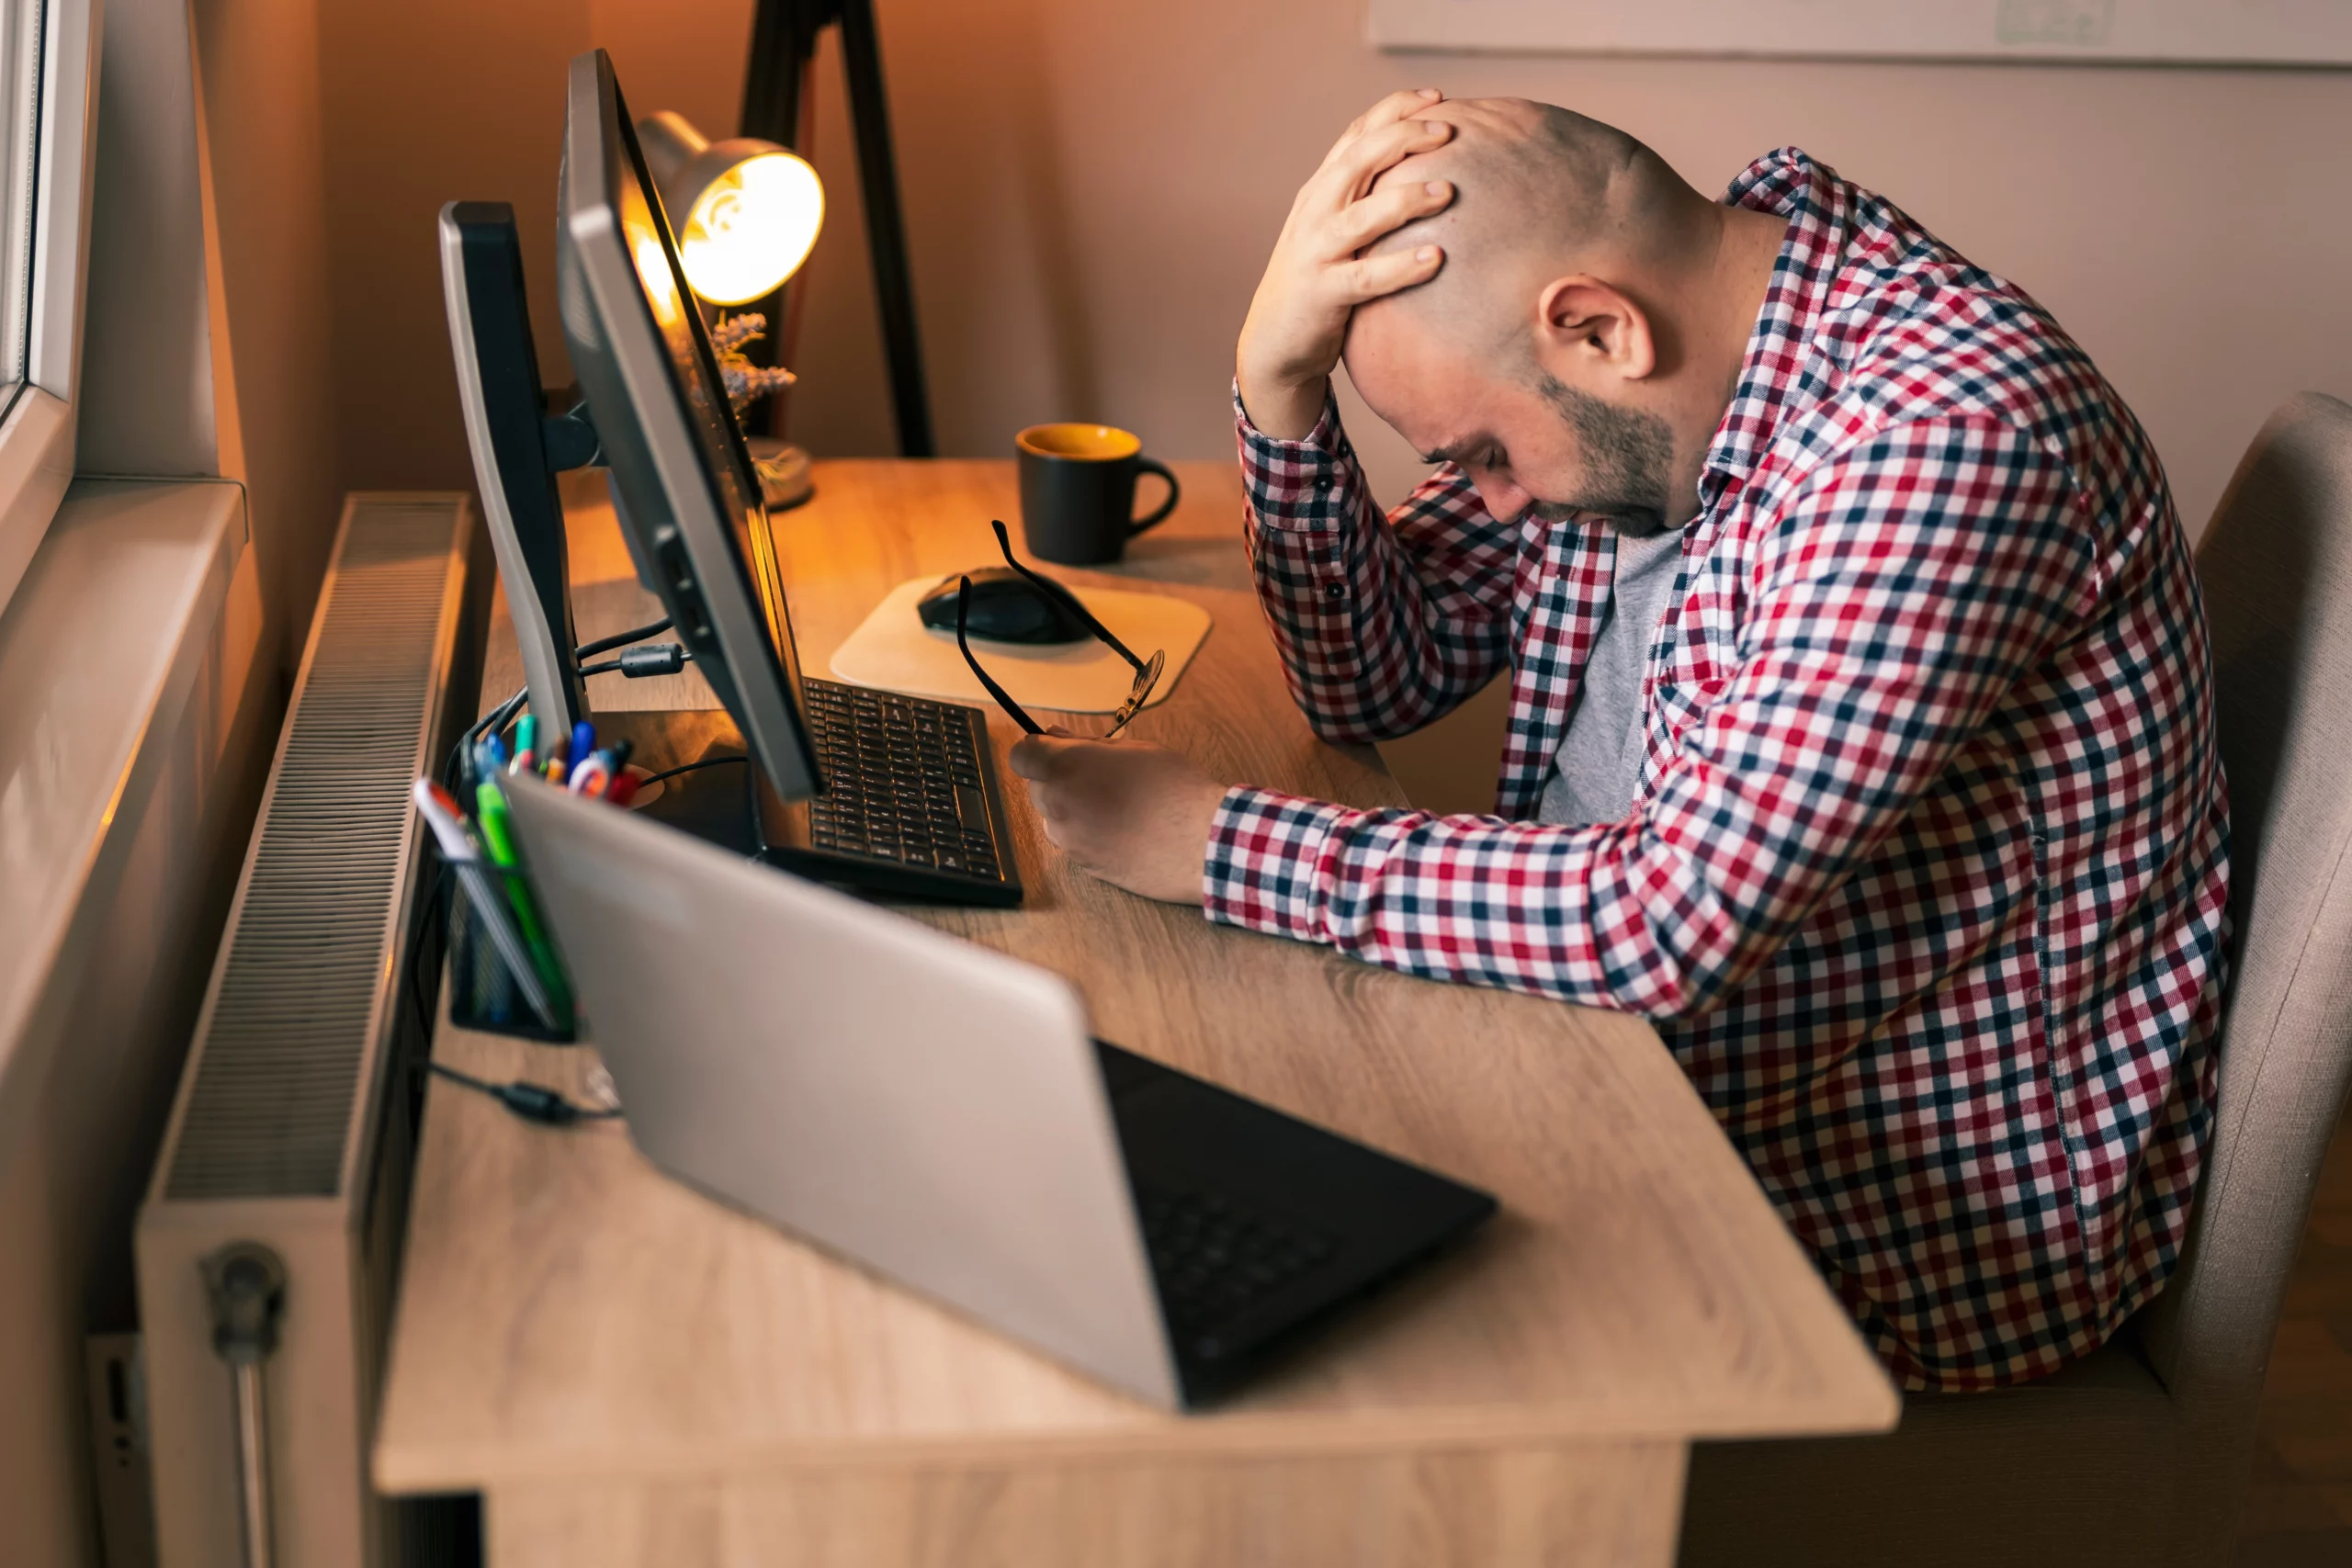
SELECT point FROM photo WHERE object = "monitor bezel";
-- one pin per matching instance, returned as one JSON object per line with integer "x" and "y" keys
{"x": 729, "y": 611}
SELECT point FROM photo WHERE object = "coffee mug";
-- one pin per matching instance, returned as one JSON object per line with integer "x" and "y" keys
{"x": 1078, "y": 491}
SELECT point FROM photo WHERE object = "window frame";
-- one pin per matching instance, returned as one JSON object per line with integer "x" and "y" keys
{"x": 37, "y": 432}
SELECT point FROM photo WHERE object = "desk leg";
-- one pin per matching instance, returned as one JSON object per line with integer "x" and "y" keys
{"x": 1561, "y": 1507}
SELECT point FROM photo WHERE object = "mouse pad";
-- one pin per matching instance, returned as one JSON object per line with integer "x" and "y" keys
{"x": 894, "y": 651}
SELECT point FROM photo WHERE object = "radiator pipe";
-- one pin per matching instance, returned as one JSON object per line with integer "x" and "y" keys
{"x": 246, "y": 1283}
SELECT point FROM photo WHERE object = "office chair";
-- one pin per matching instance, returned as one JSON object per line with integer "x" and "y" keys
{"x": 2140, "y": 1452}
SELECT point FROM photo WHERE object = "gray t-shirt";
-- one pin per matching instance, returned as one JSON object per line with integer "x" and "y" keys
{"x": 1598, "y": 764}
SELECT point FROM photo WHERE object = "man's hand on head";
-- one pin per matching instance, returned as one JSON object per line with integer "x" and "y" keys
{"x": 1136, "y": 816}
{"x": 1298, "y": 319}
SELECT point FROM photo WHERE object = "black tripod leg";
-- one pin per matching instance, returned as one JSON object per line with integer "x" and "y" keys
{"x": 884, "y": 229}
{"x": 781, "y": 40}
{"x": 784, "y": 34}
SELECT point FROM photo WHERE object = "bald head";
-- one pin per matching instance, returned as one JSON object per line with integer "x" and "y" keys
{"x": 1539, "y": 191}
{"x": 1573, "y": 348}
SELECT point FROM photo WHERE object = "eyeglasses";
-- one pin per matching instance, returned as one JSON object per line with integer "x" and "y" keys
{"x": 1147, "y": 669}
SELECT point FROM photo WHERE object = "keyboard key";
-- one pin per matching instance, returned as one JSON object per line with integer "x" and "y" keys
{"x": 902, "y": 781}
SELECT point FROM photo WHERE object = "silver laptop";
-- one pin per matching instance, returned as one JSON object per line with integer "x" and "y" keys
{"x": 938, "y": 1113}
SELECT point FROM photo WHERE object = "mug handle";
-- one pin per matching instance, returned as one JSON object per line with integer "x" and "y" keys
{"x": 1151, "y": 465}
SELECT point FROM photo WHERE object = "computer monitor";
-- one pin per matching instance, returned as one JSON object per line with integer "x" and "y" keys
{"x": 682, "y": 481}
{"x": 498, "y": 389}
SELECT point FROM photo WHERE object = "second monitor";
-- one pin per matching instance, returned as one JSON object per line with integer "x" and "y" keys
{"x": 871, "y": 790}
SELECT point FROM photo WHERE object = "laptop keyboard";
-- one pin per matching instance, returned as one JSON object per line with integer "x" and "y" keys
{"x": 1215, "y": 1258}
{"x": 902, "y": 781}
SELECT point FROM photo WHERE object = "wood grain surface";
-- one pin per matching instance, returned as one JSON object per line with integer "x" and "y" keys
{"x": 568, "y": 1313}
{"x": 1590, "y": 1506}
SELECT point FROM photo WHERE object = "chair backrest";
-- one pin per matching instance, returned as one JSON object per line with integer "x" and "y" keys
{"x": 2277, "y": 569}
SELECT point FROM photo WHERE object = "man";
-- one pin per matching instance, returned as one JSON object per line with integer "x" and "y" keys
{"x": 1861, "y": 724}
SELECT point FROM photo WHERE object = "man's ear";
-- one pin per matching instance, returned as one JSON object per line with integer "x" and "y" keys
{"x": 1584, "y": 326}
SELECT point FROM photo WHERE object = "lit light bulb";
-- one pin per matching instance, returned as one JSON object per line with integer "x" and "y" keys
{"x": 751, "y": 227}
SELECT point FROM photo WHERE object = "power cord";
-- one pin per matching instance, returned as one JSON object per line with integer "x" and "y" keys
{"x": 531, "y": 1101}
{"x": 653, "y": 658}
{"x": 684, "y": 767}
{"x": 620, "y": 640}
{"x": 666, "y": 658}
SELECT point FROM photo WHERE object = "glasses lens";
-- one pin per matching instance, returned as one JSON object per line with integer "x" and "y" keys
{"x": 1147, "y": 677}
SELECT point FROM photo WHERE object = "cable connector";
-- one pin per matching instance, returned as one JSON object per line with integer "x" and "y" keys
{"x": 653, "y": 658}
{"x": 534, "y": 1102}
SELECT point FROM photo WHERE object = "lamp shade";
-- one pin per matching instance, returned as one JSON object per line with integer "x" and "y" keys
{"x": 745, "y": 211}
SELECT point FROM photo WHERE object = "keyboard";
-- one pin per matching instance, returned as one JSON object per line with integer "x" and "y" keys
{"x": 908, "y": 805}
{"x": 1215, "y": 1258}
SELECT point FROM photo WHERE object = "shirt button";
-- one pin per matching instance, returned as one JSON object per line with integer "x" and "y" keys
{"x": 1335, "y": 590}
{"x": 1322, "y": 481}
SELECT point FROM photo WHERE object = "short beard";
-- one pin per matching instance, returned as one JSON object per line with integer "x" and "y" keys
{"x": 1628, "y": 456}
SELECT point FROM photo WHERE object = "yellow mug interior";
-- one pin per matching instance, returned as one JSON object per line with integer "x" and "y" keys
{"x": 1086, "y": 443}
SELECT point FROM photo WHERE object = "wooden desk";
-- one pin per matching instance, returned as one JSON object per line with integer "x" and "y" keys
{"x": 632, "y": 1373}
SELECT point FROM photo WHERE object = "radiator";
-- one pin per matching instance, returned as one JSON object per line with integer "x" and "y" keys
{"x": 268, "y": 1242}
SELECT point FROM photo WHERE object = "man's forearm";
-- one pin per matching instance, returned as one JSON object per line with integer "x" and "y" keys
{"x": 1285, "y": 413}
{"x": 1372, "y": 645}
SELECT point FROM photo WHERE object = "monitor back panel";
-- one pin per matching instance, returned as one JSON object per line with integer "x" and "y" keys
{"x": 922, "y": 1106}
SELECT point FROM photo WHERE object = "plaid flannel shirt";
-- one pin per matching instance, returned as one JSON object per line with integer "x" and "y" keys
{"x": 1924, "y": 880}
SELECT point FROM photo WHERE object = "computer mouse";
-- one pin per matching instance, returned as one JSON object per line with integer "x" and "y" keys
{"x": 1006, "y": 607}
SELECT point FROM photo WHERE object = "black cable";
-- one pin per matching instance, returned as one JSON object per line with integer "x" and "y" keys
{"x": 666, "y": 658}
{"x": 683, "y": 768}
{"x": 454, "y": 771}
{"x": 531, "y": 1101}
{"x": 653, "y": 658}
{"x": 651, "y": 662}
{"x": 619, "y": 639}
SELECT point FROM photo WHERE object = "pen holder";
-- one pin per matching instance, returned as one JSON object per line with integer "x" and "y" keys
{"x": 484, "y": 991}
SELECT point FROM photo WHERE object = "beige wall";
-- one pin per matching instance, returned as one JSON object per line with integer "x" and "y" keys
{"x": 1091, "y": 189}
{"x": 442, "y": 100}
{"x": 259, "y": 62}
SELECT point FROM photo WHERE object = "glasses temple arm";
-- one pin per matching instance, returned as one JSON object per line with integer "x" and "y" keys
{"x": 1003, "y": 698}
{"x": 1004, "y": 543}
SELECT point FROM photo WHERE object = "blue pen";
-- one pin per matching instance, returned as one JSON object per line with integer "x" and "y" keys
{"x": 584, "y": 741}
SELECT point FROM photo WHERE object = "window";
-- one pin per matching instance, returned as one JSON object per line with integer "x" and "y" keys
{"x": 48, "y": 62}
{"x": 19, "y": 144}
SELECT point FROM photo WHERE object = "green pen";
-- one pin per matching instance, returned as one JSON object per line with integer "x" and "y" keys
{"x": 498, "y": 837}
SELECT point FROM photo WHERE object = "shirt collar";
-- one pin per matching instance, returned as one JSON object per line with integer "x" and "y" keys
{"x": 1784, "y": 181}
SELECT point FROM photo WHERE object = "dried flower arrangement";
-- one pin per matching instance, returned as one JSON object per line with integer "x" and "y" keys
{"x": 746, "y": 382}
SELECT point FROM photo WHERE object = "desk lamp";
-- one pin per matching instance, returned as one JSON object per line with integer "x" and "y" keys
{"x": 746, "y": 213}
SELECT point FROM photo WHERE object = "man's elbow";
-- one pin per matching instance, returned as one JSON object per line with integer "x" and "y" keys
{"x": 1698, "y": 977}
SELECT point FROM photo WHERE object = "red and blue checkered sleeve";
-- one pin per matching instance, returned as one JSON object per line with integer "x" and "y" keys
{"x": 1383, "y": 625}
{"x": 1908, "y": 583}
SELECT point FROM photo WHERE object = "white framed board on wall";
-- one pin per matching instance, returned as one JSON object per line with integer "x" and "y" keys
{"x": 2180, "y": 32}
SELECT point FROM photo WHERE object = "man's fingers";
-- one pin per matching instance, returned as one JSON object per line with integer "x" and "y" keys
{"x": 1039, "y": 756}
{"x": 1395, "y": 106}
{"x": 1353, "y": 168}
{"x": 1370, "y": 277}
{"x": 1387, "y": 209}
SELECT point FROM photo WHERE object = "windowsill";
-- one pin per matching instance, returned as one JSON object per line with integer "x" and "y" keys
{"x": 100, "y": 647}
